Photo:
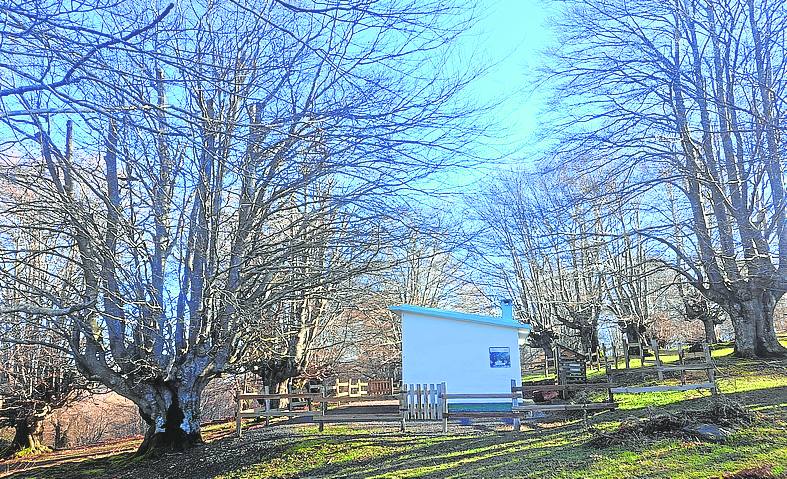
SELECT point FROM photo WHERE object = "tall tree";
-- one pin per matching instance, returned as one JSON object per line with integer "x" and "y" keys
{"x": 37, "y": 374}
{"x": 175, "y": 202}
{"x": 687, "y": 96}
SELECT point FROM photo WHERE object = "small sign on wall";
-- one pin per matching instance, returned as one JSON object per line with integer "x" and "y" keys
{"x": 499, "y": 357}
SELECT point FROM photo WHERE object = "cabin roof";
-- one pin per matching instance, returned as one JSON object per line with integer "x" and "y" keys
{"x": 459, "y": 316}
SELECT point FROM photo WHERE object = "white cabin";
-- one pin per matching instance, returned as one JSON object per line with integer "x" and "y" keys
{"x": 471, "y": 353}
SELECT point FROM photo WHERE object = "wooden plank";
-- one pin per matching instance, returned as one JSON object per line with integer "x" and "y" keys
{"x": 238, "y": 409}
{"x": 655, "y": 369}
{"x": 440, "y": 399}
{"x": 267, "y": 402}
{"x": 360, "y": 399}
{"x": 515, "y": 403}
{"x": 424, "y": 401}
{"x": 564, "y": 387}
{"x": 358, "y": 418}
{"x": 275, "y": 413}
{"x": 481, "y": 395}
{"x": 282, "y": 396}
{"x": 411, "y": 401}
{"x": 418, "y": 404}
{"x": 444, "y": 407}
{"x": 432, "y": 409}
{"x": 471, "y": 414}
{"x": 688, "y": 367}
{"x": 652, "y": 389}
{"x": 565, "y": 407}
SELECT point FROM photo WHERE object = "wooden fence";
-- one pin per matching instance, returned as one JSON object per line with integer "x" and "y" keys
{"x": 381, "y": 387}
{"x": 684, "y": 365}
{"x": 430, "y": 402}
{"x": 350, "y": 388}
{"x": 416, "y": 402}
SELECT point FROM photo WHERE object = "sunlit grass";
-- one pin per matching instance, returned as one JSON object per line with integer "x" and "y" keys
{"x": 553, "y": 450}
{"x": 562, "y": 452}
{"x": 558, "y": 453}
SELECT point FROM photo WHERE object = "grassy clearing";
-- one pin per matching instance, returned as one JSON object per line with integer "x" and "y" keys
{"x": 556, "y": 450}
{"x": 560, "y": 450}
{"x": 559, "y": 453}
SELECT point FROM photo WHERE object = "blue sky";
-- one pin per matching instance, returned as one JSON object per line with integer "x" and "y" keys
{"x": 512, "y": 35}
{"x": 509, "y": 39}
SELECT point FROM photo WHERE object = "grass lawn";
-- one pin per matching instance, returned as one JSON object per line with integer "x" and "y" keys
{"x": 485, "y": 450}
{"x": 559, "y": 450}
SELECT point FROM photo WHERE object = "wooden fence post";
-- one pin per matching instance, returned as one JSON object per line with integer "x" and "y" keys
{"x": 641, "y": 358}
{"x": 267, "y": 403}
{"x": 403, "y": 406}
{"x": 654, "y": 345}
{"x": 237, "y": 413}
{"x": 615, "y": 354}
{"x": 682, "y": 361}
{"x": 323, "y": 411}
{"x": 711, "y": 369}
{"x": 626, "y": 351}
{"x": 514, "y": 404}
{"x": 444, "y": 407}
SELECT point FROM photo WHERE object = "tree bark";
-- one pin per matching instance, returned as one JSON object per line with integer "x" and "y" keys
{"x": 28, "y": 436}
{"x": 589, "y": 337}
{"x": 710, "y": 330}
{"x": 173, "y": 415}
{"x": 752, "y": 319}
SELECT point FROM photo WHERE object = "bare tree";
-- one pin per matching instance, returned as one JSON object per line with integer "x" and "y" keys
{"x": 37, "y": 374}
{"x": 174, "y": 200}
{"x": 49, "y": 45}
{"x": 552, "y": 258}
{"x": 687, "y": 96}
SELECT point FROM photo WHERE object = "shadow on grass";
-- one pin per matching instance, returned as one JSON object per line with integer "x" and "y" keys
{"x": 73, "y": 468}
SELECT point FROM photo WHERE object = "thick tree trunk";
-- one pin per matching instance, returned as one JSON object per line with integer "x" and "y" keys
{"x": 755, "y": 333}
{"x": 710, "y": 330}
{"x": 634, "y": 336}
{"x": 28, "y": 436}
{"x": 173, "y": 418}
{"x": 589, "y": 337}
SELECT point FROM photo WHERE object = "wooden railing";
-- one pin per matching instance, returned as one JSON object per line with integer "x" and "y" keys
{"x": 350, "y": 388}
{"x": 431, "y": 402}
{"x": 683, "y": 366}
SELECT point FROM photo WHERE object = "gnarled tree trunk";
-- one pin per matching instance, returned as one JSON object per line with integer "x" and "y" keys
{"x": 588, "y": 336}
{"x": 172, "y": 413}
{"x": 710, "y": 330}
{"x": 752, "y": 318}
{"x": 28, "y": 435}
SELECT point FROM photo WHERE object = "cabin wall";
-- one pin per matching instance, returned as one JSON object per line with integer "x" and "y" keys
{"x": 438, "y": 350}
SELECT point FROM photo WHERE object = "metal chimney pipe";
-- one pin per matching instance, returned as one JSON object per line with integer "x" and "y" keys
{"x": 507, "y": 307}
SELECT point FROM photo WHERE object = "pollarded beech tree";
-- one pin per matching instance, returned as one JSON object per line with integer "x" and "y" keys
{"x": 172, "y": 190}
{"x": 687, "y": 96}
{"x": 37, "y": 374}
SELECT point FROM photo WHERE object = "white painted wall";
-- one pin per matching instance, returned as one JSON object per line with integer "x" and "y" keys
{"x": 456, "y": 352}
